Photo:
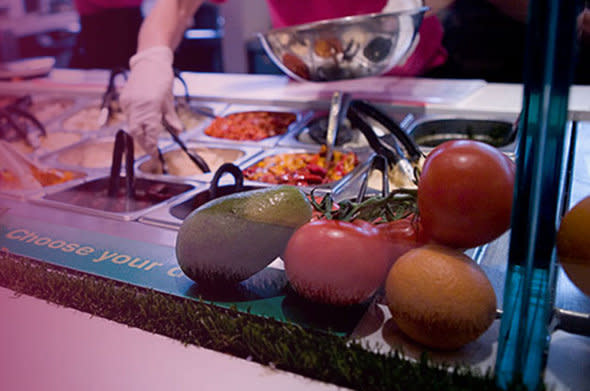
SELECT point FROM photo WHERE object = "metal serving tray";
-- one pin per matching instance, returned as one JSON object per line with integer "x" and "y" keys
{"x": 244, "y": 155}
{"x": 92, "y": 106}
{"x": 362, "y": 156}
{"x": 430, "y": 131}
{"x": 301, "y": 116}
{"x": 24, "y": 195}
{"x": 91, "y": 198}
{"x": 317, "y": 123}
{"x": 57, "y": 157}
{"x": 301, "y": 137}
{"x": 172, "y": 215}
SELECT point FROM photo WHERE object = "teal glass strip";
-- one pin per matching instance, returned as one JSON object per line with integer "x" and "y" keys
{"x": 530, "y": 281}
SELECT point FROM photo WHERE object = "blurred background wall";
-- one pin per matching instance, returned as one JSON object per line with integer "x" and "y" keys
{"x": 483, "y": 41}
{"x": 221, "y": 40}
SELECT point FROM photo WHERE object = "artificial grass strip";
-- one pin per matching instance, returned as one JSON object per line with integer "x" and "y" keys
{"x": 310, "y": 353}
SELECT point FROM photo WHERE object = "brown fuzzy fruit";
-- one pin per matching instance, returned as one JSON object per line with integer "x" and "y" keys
{"x": 440, "y": 297}
{"x": 573, "y": 246}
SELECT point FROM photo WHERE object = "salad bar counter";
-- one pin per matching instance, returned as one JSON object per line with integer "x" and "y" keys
{"x": 218, "y": 223}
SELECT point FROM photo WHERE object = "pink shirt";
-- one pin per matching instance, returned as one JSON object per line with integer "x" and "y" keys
{"x": 429, "y": 52}
{"x": 86, "y": 7}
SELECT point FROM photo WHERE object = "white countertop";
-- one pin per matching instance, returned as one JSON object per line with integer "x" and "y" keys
{"x": 45, "y": 346}
{"x": 52, "y": 348}
{"x": 423, "y": 95}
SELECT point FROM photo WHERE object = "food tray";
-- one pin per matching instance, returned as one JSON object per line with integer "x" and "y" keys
{"x": 362, "y": 156}
{"x": 87, "y": 121}
{"x": 300, "y": 137}
{"x": 171, "y": 216}
{"x": 24, "y": 195}
{"x": 301, "y": 116}
{"x": 243, "y": 154}
{"x": 50, "y": 118}
{"x": 102, "y": 155}
{"x": 91, "y": 198}
{"x": 429, "y": 131}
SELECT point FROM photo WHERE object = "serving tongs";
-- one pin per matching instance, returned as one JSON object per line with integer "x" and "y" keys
{"x": 390, "y": 150}
{"x": 380, "y": 163}
{"x": 110, "y": 97}
{"x": 195, "y": 157}
{"x": 413, "y": 152}
{"x": 406, "y": 158}
{"x": 123, "y": 146}
{"x": 13, "y": 114}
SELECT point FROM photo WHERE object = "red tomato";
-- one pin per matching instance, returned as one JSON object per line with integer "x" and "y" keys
{"x": 401, "y": 236}
{"x": 465, "y": 193}
{"x": 336, "y": 262}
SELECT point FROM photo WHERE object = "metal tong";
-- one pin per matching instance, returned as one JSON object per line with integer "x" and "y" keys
{"x": 338, "y": 109}
{"x": 11, "y": 114}
{"x": 405, "y": 161}
{"x": 123, "y": 146}
{"x": 378, "y": 162}
{"x": 195, "y": 157}
{"x": 110, "y": 96}
{"x": 413, "y": 151}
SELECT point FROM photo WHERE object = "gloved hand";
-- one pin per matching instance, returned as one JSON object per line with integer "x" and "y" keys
{"x": 147, "y": 97}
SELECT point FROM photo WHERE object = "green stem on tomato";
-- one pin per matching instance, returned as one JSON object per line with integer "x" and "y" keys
{"x": 396, "y": 205}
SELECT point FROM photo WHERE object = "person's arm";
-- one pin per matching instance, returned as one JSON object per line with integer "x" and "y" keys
{"x": 147, "y": 96}
{"x": 166, "y": 23}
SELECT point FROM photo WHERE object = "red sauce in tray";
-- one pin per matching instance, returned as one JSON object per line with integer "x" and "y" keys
{"x": 250, "y": 125}
{"x": 302, "y": 169}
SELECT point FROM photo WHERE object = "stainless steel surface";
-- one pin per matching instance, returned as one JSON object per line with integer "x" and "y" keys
{"x": 343, "y": 48}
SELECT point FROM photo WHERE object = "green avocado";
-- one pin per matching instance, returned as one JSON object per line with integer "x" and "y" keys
{"x": 233, "y": 237}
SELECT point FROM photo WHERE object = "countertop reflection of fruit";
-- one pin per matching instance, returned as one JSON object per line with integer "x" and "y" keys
{"x": 573, "y": 244}
{"x": 231, "y": 238}
{"x": 440, "y": 297}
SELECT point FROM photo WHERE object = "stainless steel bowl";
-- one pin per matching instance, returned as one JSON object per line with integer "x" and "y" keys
{"x": 343, "y": 48}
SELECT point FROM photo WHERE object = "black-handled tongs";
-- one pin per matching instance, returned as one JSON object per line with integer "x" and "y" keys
{"x": 123, "y": 146}
{"x": 110, "y": 97}
{"x": 13, "y": 114}
{"x": 391, "y": 151}
{"x": 413, "y": 150}
{"x": 195, "y": 157}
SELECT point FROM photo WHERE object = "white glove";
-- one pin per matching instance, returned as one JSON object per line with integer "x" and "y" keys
{"x": 147, "y": 96}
